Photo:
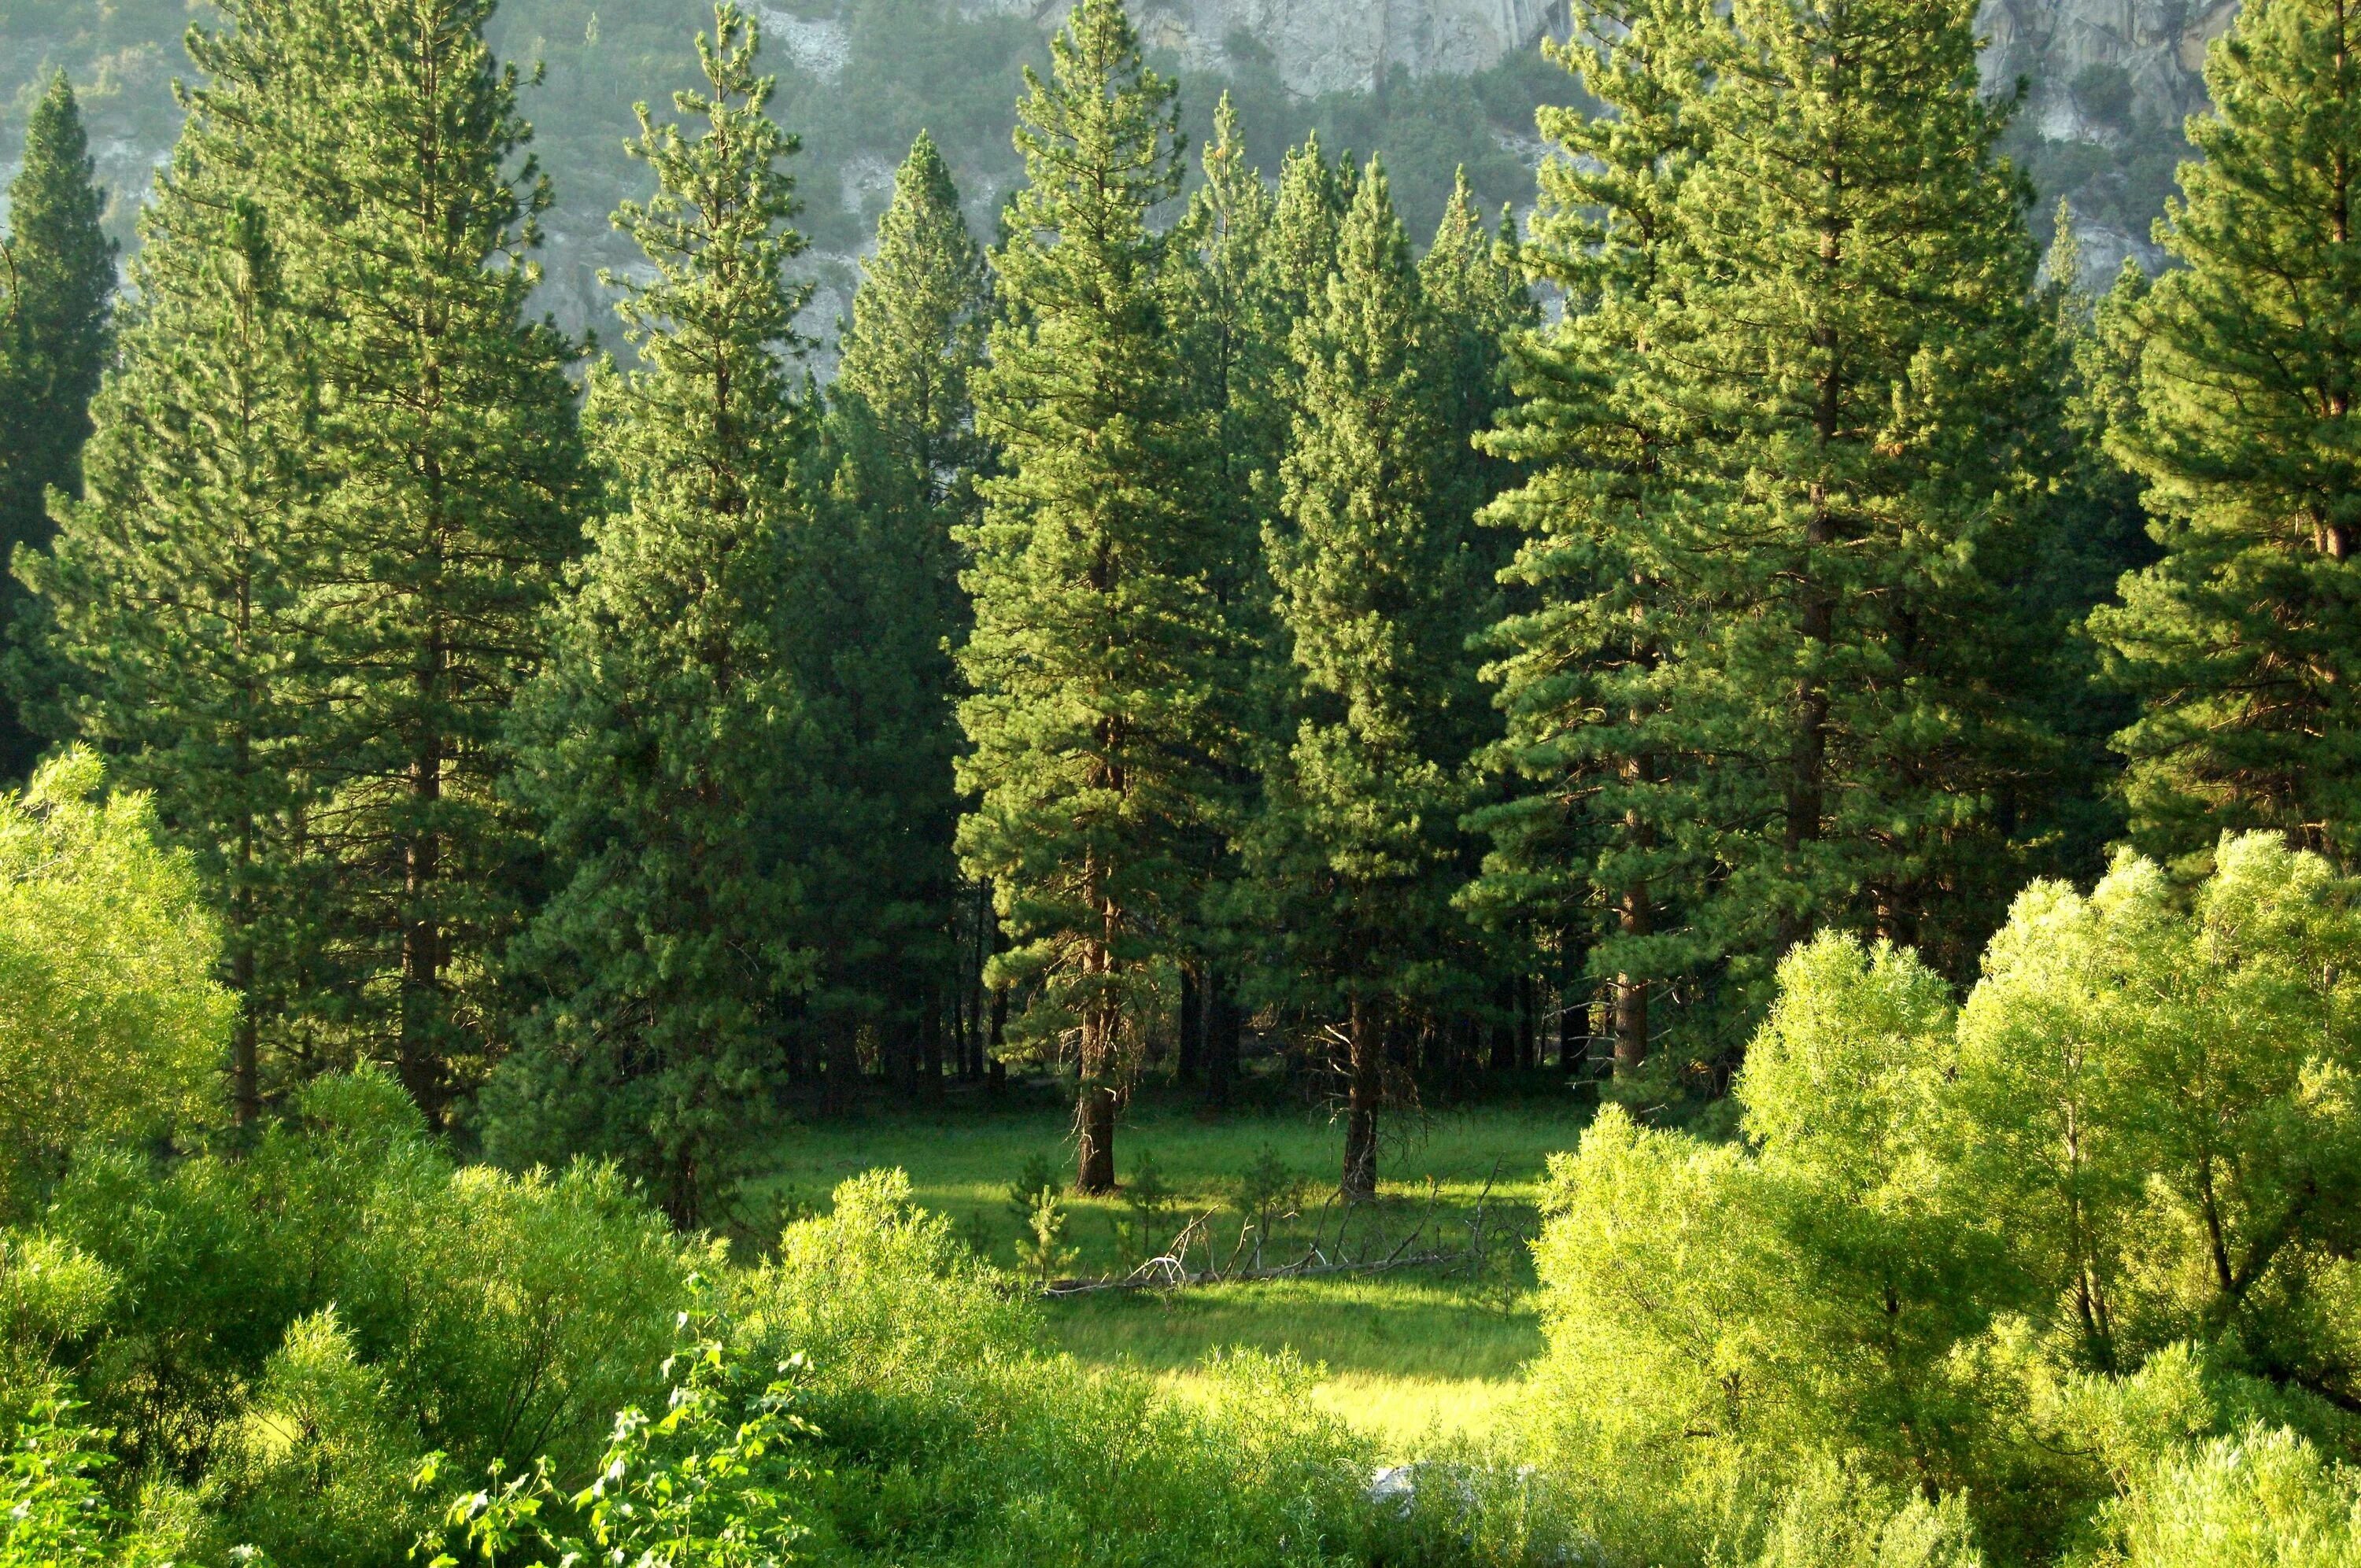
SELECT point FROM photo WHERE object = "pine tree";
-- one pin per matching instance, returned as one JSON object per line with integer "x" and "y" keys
{"x": 1356, "y": 853}
{"x": 1094, "y": 622}
{"x": 450, "y": 426}
{"x": 1478, "y": 304}
{"x": 1856, "y": 352}
{"x": 1235, "y": 329}
{"x": 1305, "y": 218}
{"x": 57, "y": 281}
{"x": 665, "y": 730}
{"x": 2095, "y": 532}
{"x": 171, "y": 599}
{"x": 879, "y": 607}
{"x": 2243, "y": 641}
{"x": 1599, "y": 783}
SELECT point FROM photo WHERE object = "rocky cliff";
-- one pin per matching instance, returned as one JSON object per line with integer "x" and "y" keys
{"x": 2108, "y": 84}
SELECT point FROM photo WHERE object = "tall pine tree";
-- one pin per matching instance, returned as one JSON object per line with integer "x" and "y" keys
{"x": 1355, "y": 857}
{"x": 57, "y": 281}
{"x": 1598, "y": 782}
{"x": 661, "y": 739}
{"x": 449, "y": 424}
{"x": 171, "y": 600}
{"x": 879, "y": 608}
{"x": 1859, "y": 359}
{"x": 2243, "y": 641}
{"x": 1234, "y": 328}
{"x": 1094, "y": 622}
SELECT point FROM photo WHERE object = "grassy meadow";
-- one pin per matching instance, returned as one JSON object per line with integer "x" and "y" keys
{"x": 1409, "y": 1356}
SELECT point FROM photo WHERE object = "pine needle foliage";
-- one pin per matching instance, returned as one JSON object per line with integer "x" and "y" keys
{"x": 666, "y": 728}
{"x": 57, "y": 289}
{"x": 2241, "y": 640}
{"x": 449, "y": 426}
{"x": 880, "y": 609}
{"x": 173, "y": 634}
{"x": 1095, "y": 621}
{"x": 1587, "y": 840}
{"x": 1354, "y": 857}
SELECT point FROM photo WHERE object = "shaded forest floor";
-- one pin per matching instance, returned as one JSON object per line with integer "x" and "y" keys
{"x": 1410, "y": 1354}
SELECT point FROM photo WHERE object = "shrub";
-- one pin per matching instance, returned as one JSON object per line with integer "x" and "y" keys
{"x": 951, "y": 1435}
{"x": 111, "y": 1023}
{"x": 504, "y": 1317}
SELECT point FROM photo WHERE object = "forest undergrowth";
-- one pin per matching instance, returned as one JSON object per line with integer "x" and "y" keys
{"x": 1406, "y": 1354}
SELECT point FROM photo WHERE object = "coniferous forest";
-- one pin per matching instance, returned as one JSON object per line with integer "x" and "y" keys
{"x": 1750, "y": 652}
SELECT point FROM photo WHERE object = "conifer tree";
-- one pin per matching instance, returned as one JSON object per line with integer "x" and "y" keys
{"x": 2243, "y": 641}
{"x": 1355, "y": 856}
{"x": 1235, "y": 330}
{"x": 1095, "y": 621}
{"x": 170, "y": 598}
{"x": 1856, "y": 352}
{"x": 879, "y": 608}
{"x": 2095, "y": 532}
{"x": 56, "y": 280}
{"x": 1599, "y": 784}
{"x": 449, "y": 424}
{"x": 662, "y": 738}
{"x": 1476, "y": 304}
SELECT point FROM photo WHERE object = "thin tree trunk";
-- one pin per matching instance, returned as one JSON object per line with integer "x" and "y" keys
{"x": 1364, "y": 1068}
{"x": 930, "y": 1042}
{"x": 1185, "y": 1061}
{"x": 996, "y": 1070}
{"x": 1222, "y": 1049}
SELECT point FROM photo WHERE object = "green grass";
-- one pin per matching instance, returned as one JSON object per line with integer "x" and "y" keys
{"x": 1407, "y": 1353}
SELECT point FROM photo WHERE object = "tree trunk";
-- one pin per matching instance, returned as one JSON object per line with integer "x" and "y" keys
{"x": 1185, "y": 1061}
{"x": 996, "y": 1070}
{"x": 417, "y": 1055}
{"x": 1095, "y": 1114}
{"x": 1364, "y": 1068}
{"x": 930, "y": 1042}
{"x": 1224, "y": 1021}
{"x": 1095, "y": 1128}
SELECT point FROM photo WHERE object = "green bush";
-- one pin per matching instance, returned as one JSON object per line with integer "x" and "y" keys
{"x": 111, "y": 1023}
{"x": 952, "y": 1434}
{"x": 2089, "y": 1236}
{"x": 288, "y": 1331}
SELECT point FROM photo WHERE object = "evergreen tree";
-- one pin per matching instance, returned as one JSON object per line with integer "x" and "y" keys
{"x": 449, "y": 425}
{"x": 1790, "y": 435}
{"x": 878, "y": 611}
{"x": 2095, "y": 532}
{"x": 1355, "y": 856}
{"x": 2243, "y": 641}
{"x": 1235, "y": 329}
{"x": 171, "y": 599}
{"x": 1476, "y": 305}
{"x": 56, "y": 280}
{"x": 1094, "y": 621}
{"x": 664, "y": 732}
{"x": 1857, "y": 354}
{"x": 1601, "y": 782}
{"x": 1304, "y": 222}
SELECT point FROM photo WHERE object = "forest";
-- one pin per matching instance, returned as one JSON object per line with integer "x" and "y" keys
{"x": 1851, "y": 733}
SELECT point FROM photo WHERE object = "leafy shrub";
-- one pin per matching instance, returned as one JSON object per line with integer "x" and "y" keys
{"x": 951, "y": 1433}
{"x": 2018, "y": 1254}
{"x": 52, "y": 1513}
{"x": 110, "y": 1019}
{"x": 318, "y": 1467}
{"x": 716, "y": 1481}
{"x": 495, "y": 1316}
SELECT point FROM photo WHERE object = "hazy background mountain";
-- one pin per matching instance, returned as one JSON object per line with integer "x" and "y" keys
{"x": 1433, "y": 84}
